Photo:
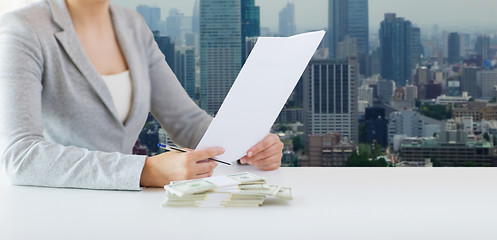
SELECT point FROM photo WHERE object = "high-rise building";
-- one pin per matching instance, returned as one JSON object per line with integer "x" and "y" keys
{"x": 330, "y": 98}
{"x": 482, "y": 47}
{"x": 454, "y": 48}
{"x": 185, "y": 69}
{"x": 196, "y": 18}
{"x": 396, "y": 49}
{"x": 417, "y": 48}
{"x": 220, "y": 50}
{"x": 347, "y": 48}
{"x": 251, "y": 23}
{"x": 287, "y": 20}
{"x": 487, "y": 80}
{"x": 348, "y": 18}
{"x": 468, "y": 81}
{"x": 167, "y": 47}
{"x": 151, "y": 15}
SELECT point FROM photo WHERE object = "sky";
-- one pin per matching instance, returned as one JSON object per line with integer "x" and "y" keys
{"x": 474, "y": 15}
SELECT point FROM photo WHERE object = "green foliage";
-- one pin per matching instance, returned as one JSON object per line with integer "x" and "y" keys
{"x": 470, "y": 164}
{"x": 282, "y": 128}
{"x": 494, "y": 100}
{"x": 297, "y": 143}
{"x": 363, "y": 160}
{"x": 486, "y": 137}
{"x": 439, "y": 112}
{"x": 436, "y": 162}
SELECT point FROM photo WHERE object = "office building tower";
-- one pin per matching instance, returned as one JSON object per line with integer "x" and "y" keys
{"x": 251, "y": 23}
{"x": 196, "y": 18}
{"x": 185, "y": 69}
{"x": 487, "y": 81}
{"x": 337, "y": 24}
{"x": 396, "y": 49}
{"x": 468, "y": 81}
{"x": 453, "y": 87}
{"x": 167, "y": 47}
{"x": 358, "y": 24}
{"x": 151, "y": 15}
{"x": 482, "y": 47}
{"x": 376, "y": 126}
{"x": 287, "y": 20}
{"x": 330, "y": 98}
{"x": 348, "y": 18}
{"x": 417, "y": 48}
{"x": 454, "y": 48}
{"x": 220, "y": 50}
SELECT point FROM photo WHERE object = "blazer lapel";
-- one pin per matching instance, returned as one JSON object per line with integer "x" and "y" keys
{"x": 72, "y": 46}
{"x": 125, "y": 38}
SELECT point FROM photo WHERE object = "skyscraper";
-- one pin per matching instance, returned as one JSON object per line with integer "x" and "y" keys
{"x": 167, "y": 47}
{"x": 348, "y": 17}
{"x": 468, "y": 81}
{"x": 358, "y": 24}
{"x": 151, "y": 15}
{"x": 251, "y": 23}
{"x": 416, "y": 47}
{"x": 482, "y": 47}
{"x": 337, "y": 24}
{"x": 196, "y": 18}
{"x": 454, "y": 48}
{"x": 185, "y": 69}
{"x": 396, "y": 49}
{"x": 330, "y": 98}
{"x": 220, "y": 50}
{"x": 287, "y": 20}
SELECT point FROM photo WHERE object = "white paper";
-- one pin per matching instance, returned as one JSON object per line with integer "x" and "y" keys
{"x": 260, "y": 91}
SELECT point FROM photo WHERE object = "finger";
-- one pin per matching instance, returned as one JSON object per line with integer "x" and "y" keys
{"x": 204, "y": 175}
{"x": 266, "y": 161}
{"x": 207, "y": 153}
{"x": 267, "y": 142}
{"x": 271, "y": 167}
{"x": 205, "y": 167}
{"x": 274, "y": 150}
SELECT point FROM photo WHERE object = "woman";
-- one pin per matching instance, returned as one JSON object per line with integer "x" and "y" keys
{"x": 77, "y": 80}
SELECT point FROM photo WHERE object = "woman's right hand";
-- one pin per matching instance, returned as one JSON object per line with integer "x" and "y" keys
{"x": 176, "y": 166}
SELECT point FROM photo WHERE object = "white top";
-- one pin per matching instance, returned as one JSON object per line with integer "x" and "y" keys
{"x": 120, "y": 88}
{"x": 329, "y": 203}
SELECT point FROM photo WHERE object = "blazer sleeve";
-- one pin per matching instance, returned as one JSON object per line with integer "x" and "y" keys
{"x": 26, "y": 156}
{"x": 182, "y": 119}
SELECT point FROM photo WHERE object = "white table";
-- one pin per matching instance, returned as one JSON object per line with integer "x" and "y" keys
{"x": 330, "y": 203}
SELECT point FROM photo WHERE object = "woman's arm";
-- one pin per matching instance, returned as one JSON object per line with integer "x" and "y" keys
{"x": 26, "y": 156}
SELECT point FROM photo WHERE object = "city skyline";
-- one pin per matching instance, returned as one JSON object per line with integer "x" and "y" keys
{"x": 433, "y": 12}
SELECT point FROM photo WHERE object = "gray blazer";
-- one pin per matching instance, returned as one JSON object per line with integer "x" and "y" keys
{"x": 58, "y": 124}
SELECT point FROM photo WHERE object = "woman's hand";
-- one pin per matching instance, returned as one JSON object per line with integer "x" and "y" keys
{"x": 175, "y": 166}
{"x": 266, "y": 155}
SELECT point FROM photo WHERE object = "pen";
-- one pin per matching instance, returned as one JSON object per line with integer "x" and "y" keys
{"x": 164, "y": 146}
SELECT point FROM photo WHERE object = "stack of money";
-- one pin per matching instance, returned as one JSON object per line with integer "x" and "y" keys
{"x": 233, "y": 190}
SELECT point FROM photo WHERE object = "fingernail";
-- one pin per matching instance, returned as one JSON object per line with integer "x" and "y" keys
{"x": 243, "y": 160}
{"x": 249, "y": 154}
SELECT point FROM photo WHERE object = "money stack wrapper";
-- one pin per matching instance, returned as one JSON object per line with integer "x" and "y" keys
{"x": 233, "y": 190}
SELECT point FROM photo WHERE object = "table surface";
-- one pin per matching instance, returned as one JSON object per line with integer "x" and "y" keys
{"x": 338, "y": 203}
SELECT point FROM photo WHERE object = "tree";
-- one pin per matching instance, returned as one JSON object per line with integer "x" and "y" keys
{"x": 297, "y": 143}
{"x": 470, "y": 164}
{"x": 486, "y": 137}
{"x": 436, "y": 162}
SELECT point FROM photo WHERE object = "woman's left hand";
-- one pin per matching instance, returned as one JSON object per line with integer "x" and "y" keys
{"x": 266, "y": 154}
